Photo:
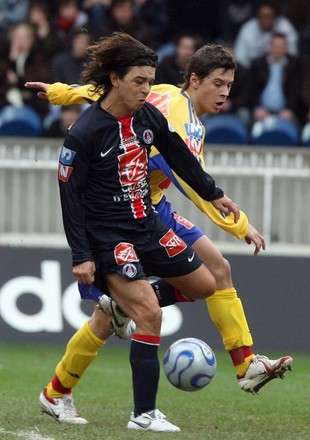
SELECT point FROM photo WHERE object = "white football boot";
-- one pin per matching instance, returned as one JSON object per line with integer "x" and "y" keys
{"x": 62, "y": 409}
{"x": 122, "y": 325}
{"x": 262, "y": 370}
{"x": 151, "y": 421}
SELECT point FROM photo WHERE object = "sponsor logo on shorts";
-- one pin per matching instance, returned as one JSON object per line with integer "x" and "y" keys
{"x": 125, "y": 253}
{"x": 173, "y": 244}
{"x": 183, "y": 221}
{"x": 130, "y": 270}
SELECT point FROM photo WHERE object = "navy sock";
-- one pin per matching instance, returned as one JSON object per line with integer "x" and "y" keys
{"x": 167, "y": 294}
{"x": 145, "y": 372}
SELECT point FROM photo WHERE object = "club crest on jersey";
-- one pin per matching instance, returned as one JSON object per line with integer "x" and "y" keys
{"x": 173, "y": 244}
{"x": 125, "y": 253}
{"x": 130, "y": 270}
{"x": 148, "y": 136}
{"x": 183, "y": 221}
{"x": 64, "y": 172}
{"x": 66, "y": 155}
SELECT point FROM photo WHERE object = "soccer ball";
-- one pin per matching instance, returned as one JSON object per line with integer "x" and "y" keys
{"x": 189, "y": 364}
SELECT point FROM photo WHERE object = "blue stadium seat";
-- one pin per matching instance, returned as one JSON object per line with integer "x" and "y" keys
{"x": 226, "y": 129}
{"x": 274, "y": 131}
{"x": 305, "y": 135}
{"x": 20, "y": 121}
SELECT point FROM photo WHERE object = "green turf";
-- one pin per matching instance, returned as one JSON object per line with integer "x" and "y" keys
{"x": 219, "y": 412}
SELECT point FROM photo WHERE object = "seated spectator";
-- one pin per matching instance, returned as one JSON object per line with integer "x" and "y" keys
{"x": 48, "y": 41}
{"x": 238, "y": 102}
{"x": 170, "y": 69}
{"x": 147, "y": 10}
{"x": 254, "y": 36}
{"x": 69, "y": 17}
{"x": 24, "y": 61}
{"x": 96, "y": 11}
{"x": 123, "y": 17}
{"x": 276, "y": 83}
{"x": 12, "y": 12}
{"x": 67, "y": 116}
{"x": 68, "y": 65}
{"x": 232, "y": 14}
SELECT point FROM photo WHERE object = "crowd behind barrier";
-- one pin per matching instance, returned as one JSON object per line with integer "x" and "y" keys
{"x": 47, "y": 41}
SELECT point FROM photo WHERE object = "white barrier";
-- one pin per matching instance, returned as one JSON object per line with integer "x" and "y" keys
{"x": 270, "y": 184}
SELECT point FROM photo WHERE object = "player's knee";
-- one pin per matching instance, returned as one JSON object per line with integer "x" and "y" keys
{"x": 222, "y": 270}
{"x": 204, "y": 288}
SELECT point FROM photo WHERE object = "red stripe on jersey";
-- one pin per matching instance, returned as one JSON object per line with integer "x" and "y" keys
{"x": 133, "y": 165}
{"x": 146, "y": 339}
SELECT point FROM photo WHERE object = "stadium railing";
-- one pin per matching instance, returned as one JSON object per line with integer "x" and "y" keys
{"x": 270, "y": 184}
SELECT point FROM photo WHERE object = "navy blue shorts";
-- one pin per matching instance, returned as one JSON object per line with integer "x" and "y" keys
{"x": 162, "y": 250}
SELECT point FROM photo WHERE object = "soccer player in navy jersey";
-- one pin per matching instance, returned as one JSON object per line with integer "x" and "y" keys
{"x": 109, "y": 221}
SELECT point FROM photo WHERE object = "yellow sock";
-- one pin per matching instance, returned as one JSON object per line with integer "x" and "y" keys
{"x": 81, "y": 350}
{"x": 226, "y": 311}
{"x": 242, "y": 368}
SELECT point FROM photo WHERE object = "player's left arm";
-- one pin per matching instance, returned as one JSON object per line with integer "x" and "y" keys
{"x": 241, "y": 230}
{"x": 64, "y": 94}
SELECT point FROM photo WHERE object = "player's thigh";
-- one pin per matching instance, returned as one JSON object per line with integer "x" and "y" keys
{"x": 198, "y": 284}
{"x": 137, "y": 299}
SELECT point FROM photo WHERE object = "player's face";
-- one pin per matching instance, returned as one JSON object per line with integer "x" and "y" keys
{"x": 134, "y": 87}
{"x": 212, "y": 91}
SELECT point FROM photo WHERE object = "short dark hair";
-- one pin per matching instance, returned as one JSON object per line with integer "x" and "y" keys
{"x": 208, "y": 58}
{"x": 116, "y": 53}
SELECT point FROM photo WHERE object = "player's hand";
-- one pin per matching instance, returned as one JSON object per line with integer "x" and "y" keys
{"x": 38, "y": 85}
{"x": 84, "y": 272}
{"x": 255, "y": 237}
{"x": 226, "y": 206}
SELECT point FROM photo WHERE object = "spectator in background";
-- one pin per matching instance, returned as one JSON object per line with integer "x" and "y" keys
{"x": 238, "y": 102}
{"x": 170, "y": 70}
{"x": 23, "y": 62}
{"x": 12, "y": 12}
{"x": 68, "y": 65}
{"x": 69, "y": 17}
{"x": 147, "y": 10}
{"x": 96, "y": 11}
{"x": 254, "y": 35}
{"x": 67, "y": 116}
{"x": 123, "y": 17}
{"x": 276, "y": 83}
{"x": 195, "y": 16}
{"x": 232, "y": 14}
{"x": 39, "y": 15}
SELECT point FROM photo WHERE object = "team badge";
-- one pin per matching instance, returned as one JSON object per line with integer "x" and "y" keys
{"x": 64, "y": 172}
{"x": 173, "y": 244}
{"x": 130, "y": 270}
{"x": 125, "y": 253}
{"x": 148, "y": 136}
{"x": 66, "y": 155}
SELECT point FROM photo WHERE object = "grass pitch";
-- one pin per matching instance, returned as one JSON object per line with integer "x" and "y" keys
{"x": 104, "y": 396}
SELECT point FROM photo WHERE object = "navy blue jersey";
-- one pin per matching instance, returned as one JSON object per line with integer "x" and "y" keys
{"x": 104, "y": 174}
